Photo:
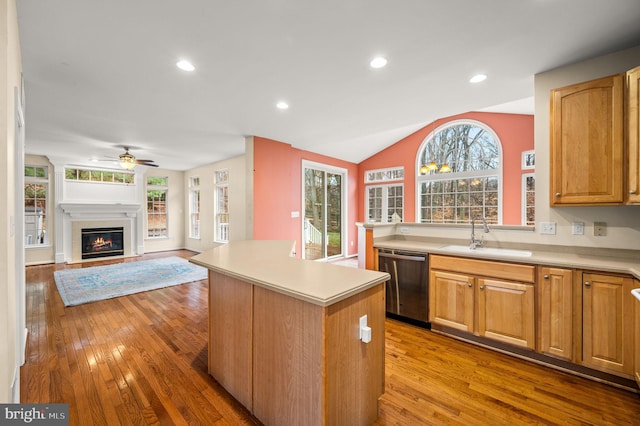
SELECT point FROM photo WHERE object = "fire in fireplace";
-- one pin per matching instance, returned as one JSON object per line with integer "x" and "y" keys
{"x": 102, "y": 242}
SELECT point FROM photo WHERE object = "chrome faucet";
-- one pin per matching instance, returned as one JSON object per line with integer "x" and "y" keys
{"x": 477, "y": 243}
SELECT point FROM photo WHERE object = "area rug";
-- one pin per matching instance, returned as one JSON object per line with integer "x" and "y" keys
{"x": 78, "y": 286}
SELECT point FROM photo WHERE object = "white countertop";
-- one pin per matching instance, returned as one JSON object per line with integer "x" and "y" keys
{"x": 270, "y": 264}
{"x": 625, "y": 262}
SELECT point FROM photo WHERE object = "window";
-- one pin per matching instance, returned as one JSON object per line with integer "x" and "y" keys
{"x": 529, "y": 199}
{"x": 222, "y": 206}
{"x": 157, "y": 188}
{"x": 382, "y": 175}
{"x": 104, "y": 176}
{"x": 194, "y": 207}
{"x": 36, "y": 184}
{"x": 385, "y": 203}
{"x": 459, "y": 174}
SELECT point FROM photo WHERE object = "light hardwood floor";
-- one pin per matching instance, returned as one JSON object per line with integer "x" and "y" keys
{"x": 141, "y": 359}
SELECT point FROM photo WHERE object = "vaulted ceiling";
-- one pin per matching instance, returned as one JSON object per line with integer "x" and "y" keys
{"x": 100, "y": 75}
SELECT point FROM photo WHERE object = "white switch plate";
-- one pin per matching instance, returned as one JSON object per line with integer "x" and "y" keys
{"x": 548, "y": 228}
{"x": 577, "y": 228}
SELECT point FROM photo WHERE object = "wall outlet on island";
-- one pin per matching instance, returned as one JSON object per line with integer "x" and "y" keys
{"x": 404, "y": 229}
{"x": 548, "y": 228}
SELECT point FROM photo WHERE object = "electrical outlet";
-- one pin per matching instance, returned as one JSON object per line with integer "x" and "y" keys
{"x": 577, "y": 228}
{"x": 599, "y": 229}
{"x": 404, "y": 230}
{"x": 548, "y": 228}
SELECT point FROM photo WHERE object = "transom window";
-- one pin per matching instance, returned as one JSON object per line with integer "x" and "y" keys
{"x": 459, "y": 168}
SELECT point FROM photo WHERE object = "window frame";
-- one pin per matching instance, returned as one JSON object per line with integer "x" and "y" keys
{"x": 524, "y": 206}
{"x": 164, "y": 188}
{"x": 194, "y": 216}
{"x": 220, "y": 232}
{"x": 44, "y": 181}
{"x": 483, "y": 173}
{"x": 384, "y": 214}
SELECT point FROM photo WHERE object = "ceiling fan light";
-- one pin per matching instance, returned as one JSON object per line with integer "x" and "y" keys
{"x": 127, "y": 161}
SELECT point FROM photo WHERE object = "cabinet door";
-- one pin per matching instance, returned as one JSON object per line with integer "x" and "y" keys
{"x": 506, "y": 312}
{"x": 633, "y": 134}
{"x": 587, "y": 142}
{"x": 451, "y": 300}
{"x": 555, "y": 310}
{"x": 637, "y": 336}
{"x": 607, "y": 313}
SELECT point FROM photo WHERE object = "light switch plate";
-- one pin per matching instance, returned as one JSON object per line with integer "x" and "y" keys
{"x": 548, "y": 228}
{"x": 577, "y": 228}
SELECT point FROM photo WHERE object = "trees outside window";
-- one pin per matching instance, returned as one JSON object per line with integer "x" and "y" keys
{"x": 222, "y": 206}
{"x": 36, "y": 184}
{"x": 459, "y": 174}
{"x": 157, "y": 190}
{"x": 194, "y": 207}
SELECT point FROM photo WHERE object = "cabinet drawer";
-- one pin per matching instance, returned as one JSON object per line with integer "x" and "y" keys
{"x": 485, "y": 268}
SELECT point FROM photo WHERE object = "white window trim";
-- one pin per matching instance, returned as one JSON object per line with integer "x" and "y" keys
{"x": 192, "y": 190}
{"x": 479, "y": 173}
{"x": 39, "y": 181}
{"x": 387, "y": 169}
{"x": 523, "y": 206}
{"x": 385, "y": 200}
{"x": 216, "y": 213}
{"x": 157, "y": 188}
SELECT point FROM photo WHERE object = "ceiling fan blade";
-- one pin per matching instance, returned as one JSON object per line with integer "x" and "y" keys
{"x": 146, "y": 163}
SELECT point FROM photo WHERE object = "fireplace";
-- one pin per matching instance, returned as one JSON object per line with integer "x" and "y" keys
{"x": 102, "y": 242}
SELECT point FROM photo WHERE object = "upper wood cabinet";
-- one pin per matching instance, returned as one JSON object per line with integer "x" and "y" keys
{"x": 587, "y": 142}
{"x": 633, "y": 134}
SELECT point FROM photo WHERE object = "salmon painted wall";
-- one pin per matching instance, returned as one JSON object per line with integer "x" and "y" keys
{"x": 278, "y": 192}
{"x": 515, "y": 132}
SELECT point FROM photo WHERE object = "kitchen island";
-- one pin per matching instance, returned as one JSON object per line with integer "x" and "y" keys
{"x": 284, "y": 334}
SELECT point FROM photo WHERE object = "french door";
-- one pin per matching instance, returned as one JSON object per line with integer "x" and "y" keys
{"x": 324, "y": 211}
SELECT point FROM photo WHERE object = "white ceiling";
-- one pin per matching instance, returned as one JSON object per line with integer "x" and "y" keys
{"x": 100, "y": 74}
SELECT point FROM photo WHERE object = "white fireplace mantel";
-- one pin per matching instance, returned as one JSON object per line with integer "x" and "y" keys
{"x": 86, "y": 210}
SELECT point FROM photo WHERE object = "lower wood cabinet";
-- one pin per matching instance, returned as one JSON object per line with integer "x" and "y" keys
{"x": 637, "y": 337}
{"x": 555, "y": 312}
{"x": 607, "y": 323}
{"x": 464, "y": 295}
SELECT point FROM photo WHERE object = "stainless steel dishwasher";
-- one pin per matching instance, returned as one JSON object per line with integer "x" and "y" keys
{"x": 407, "y": 294}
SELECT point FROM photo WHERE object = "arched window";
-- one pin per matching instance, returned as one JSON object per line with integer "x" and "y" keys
{"x": 459, "y": 174}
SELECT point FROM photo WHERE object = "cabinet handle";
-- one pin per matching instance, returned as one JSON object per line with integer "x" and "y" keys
{"x": 481, "y": 287}
{"x": 557, "y": 194}
{"x": 470, "y": 285}
{"x": 587, "y": 284}
{"x": 546, "y": 277}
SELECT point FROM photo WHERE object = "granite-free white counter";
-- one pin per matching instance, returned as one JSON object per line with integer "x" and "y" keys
{"x": 606, "y": 260}
{"x": 270, "y": 264}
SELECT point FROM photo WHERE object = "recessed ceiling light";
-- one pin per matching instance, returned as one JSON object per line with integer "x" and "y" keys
{"x": 477, "y": 78}
{"x": 378, "y": 62}
{"x": 185, "y": 65}
{"x": 282, "y": 105}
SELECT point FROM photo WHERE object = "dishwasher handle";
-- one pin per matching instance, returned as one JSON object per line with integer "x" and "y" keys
{"x": 402, "y": 256}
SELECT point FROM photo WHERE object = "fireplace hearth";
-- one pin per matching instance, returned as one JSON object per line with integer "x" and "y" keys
{"x": 102, "y": 242}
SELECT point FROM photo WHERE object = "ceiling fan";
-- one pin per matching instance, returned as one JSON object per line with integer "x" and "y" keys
{"x": 128, "y": 161}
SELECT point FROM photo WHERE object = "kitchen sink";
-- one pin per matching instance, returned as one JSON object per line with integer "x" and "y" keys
{"x": 489, "y": 251}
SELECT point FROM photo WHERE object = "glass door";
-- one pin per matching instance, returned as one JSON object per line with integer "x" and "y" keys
{"x": 323, "y": 215}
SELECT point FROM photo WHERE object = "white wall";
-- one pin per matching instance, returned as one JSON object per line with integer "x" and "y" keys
{"x": 237, "y": 202}
{"x": 10, "y": 77}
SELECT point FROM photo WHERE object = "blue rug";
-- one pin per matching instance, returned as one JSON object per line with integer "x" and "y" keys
{"x": 83, "y": 285}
